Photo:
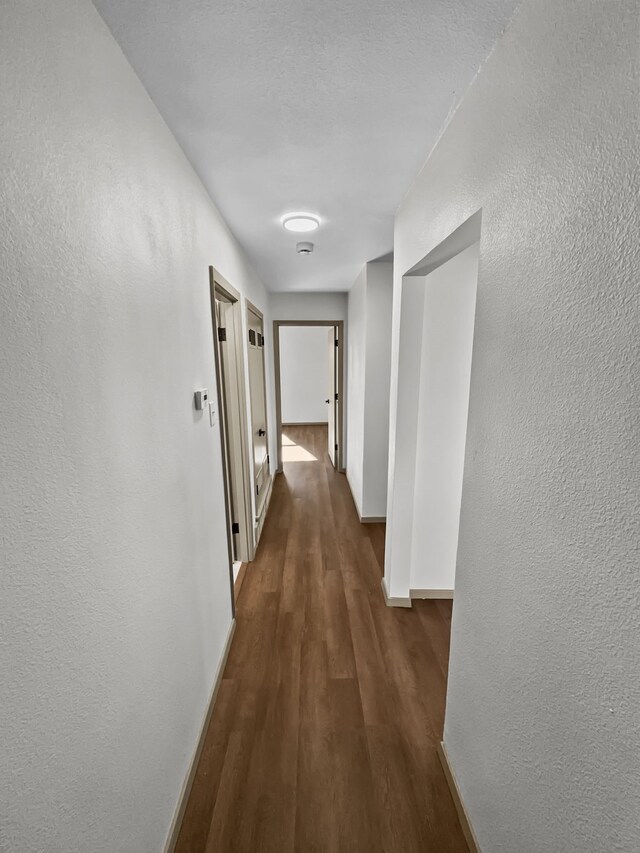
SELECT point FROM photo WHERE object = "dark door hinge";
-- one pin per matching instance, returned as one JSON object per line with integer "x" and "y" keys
{"x": 336, "y": 342}
{"x": 235, "y": 527}
{"x": 267, "y": 458}
{"x": 222, "y": 334}
{"x": 336, "y": 446}
{"x": 336, "y": 395}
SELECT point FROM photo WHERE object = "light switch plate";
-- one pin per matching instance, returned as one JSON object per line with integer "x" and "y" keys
{"x": 201, "y": 398}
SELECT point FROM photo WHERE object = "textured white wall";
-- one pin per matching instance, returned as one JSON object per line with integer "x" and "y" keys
{"x": 369, "y": 368}
{"x": 115, "y": 597}
{"x": 304, "y": 374}
{"x": 376, "y": 414}
{"x": 406, "y": 349}
{"x": 308, "y": 306}
{"x": 443, "y": 402}
{"x": 543, "y": 707}
{"x": 356, "y": 371}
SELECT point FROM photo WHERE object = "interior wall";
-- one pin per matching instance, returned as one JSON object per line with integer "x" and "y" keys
{"x": 115, "y": 600}
{"x": 378, "y": 377}
{"x": 443, "y": 403}
{"x": 308, "y": 306}
{"x": 406, "y": 351}
{"x": 356, "y": 371}
{"x": 543, "y": 701}
{"x": 304, "y": 374}
{"x": 369, "y": 370}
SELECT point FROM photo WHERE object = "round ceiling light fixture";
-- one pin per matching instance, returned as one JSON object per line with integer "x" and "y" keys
{"x": 301, "y": 223}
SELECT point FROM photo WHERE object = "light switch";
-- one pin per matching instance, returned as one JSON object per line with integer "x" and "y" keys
{"x": 212, "y": 415}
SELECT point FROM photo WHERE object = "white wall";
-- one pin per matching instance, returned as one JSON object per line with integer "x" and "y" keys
{"x": 356, "y": 371}
{"x": 304, "y": 374}
{"x": 376, "y": 415}
{"x": 115, "y": 600}
{"x": 543, "y": 704}
{"x": 443, "y": 402}
{"x": 369, "y": 369}
{"x": 308, "y": 306}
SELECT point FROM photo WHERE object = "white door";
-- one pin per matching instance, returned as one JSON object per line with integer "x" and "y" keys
{"x": 332, "y": 399}
{"x": 222, "y": 378}
{"x": 258, "y": 412}
{"x": 233, "y": 422}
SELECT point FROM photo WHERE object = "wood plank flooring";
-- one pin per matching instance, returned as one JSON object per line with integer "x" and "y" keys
{"x": 323, "y": 737}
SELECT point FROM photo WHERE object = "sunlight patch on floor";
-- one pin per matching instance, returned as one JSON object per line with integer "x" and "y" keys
{"x": 292, "y": 452}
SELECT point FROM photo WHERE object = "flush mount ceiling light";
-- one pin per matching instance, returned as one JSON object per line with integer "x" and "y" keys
{"x": 301, "y": 223}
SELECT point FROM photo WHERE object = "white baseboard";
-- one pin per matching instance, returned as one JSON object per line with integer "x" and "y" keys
{"x": 270, "y": 492}
{"x": 463, "y": 815}
{"x": 176, "y": 823}
{"x": 431, "y": 593}
{"x": 394, "y": 602}
{"x": 265, "y": 509}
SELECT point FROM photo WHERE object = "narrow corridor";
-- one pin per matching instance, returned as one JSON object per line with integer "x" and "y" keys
{"x": 324, "y": 733}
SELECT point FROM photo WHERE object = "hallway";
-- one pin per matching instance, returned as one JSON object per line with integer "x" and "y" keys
{"x": 324, "y": 733}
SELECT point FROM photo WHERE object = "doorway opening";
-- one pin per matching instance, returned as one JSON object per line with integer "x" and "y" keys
{"x": 309, "y": 366}
{"x": 226, "y": 315}
{"x": 437, "y": 320}
{"x": 449, "y": 295}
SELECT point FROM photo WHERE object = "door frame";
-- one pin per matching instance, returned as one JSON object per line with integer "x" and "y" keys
{"x": 339, "y": 324}
{"x": 238, "y": 461}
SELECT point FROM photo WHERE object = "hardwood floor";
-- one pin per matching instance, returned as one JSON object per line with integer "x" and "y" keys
{"x": 324, "y": 733}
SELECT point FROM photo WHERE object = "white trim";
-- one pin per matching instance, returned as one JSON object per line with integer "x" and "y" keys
{"x": 176, "y": 822}
{"x": 431, "y": 593}
{"x": 393, "y": 602}
{"x": 463, "y": 815}
{"x": 265, "y": 509}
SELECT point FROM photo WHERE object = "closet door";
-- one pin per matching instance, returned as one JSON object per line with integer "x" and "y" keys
{"x": 332, "y": 400}
{"x": 258, "y": 411}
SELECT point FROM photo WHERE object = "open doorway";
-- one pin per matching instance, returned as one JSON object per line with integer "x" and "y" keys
{"x": 448, "y": 317}
{"x": 435, "y": 348}
{"x": 227, "y": 335}
{"x": 309, "y": 362}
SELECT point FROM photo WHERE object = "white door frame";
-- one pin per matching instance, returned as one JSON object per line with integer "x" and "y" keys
{"x": 339, "y": 324}
{"x": 236, "y": 408}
